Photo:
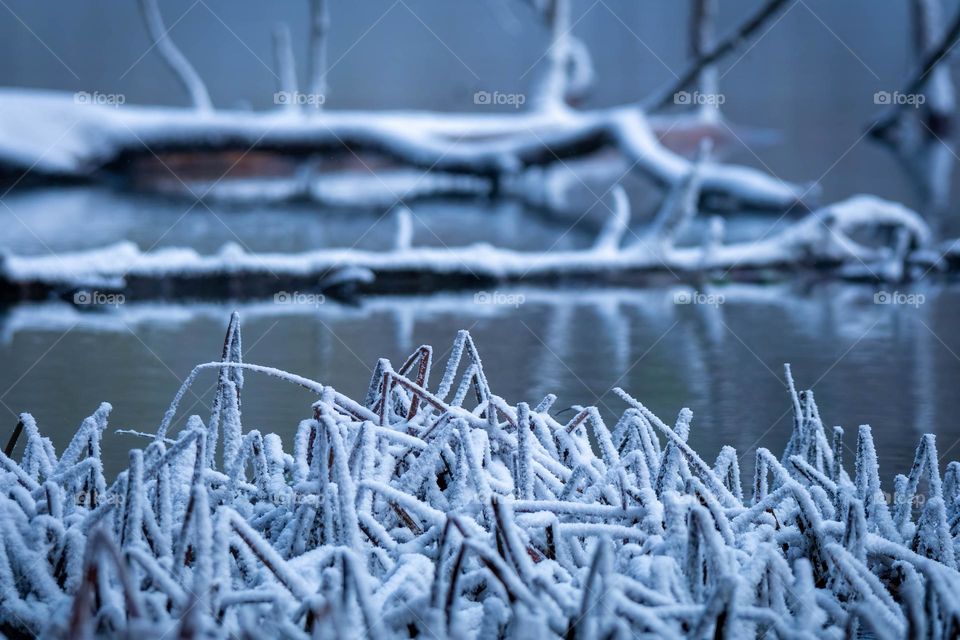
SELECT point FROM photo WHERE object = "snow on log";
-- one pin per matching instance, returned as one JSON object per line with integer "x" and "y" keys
{"x": 825, "y": 239}
{"x": 49, "y": 133}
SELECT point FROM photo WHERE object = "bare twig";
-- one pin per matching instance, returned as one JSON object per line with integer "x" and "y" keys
{"x": 740, "y": 36}
{"x": 286, "y": 67}
{"x": 173, "y": 57}
{"x": 319, "y": 26}
{"x": 923, "y": 74}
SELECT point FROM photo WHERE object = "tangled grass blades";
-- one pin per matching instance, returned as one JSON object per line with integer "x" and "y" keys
{"x": 450, "y": 513}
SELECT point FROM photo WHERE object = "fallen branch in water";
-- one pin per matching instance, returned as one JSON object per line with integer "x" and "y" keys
{"x": 825, "y": 240}
{"x": 46, "y": 134}
{"x": 82, "y": 140}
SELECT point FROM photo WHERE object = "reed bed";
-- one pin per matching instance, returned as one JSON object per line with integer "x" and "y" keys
{"x": 443, "y": 511}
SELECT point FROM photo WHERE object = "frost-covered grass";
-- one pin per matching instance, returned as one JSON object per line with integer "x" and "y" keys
{"x": 443, "y": 511}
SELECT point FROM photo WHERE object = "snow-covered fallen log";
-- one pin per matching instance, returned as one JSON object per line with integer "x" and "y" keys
{"x": 440, "y": 510}
{"x": 85, "y": 135}
{"x": 825, "y": 239}
{"x": 49, "y": 133}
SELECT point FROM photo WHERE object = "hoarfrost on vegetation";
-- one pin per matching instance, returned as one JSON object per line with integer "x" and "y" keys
{"x": 451, "y": 513}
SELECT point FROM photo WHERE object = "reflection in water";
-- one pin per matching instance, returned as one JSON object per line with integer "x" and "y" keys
{"x": 36, "y": 220}
{"x": 892, "y": 366}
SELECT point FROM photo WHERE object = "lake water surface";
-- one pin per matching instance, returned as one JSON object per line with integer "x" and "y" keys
{"x": 895, "y": 367}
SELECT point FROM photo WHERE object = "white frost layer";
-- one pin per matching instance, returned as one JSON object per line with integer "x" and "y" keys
{"x": 824, "y": 235}
{"x": 415, "y": 513}
{"x": 49, "y": 132}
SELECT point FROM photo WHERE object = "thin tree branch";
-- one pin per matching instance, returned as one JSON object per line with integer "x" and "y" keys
{"x": 319, "y": 26}
{"x": 173, "y": 57}
{"x": 740, "y": 37}
{"x": 286, "y": 67}
{"x": 882, "y": 127}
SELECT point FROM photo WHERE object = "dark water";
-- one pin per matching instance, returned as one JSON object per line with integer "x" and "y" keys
{"x": 894, "y": 367}
{"x": 52, "y": 221}
{"x": 811, "y": 78}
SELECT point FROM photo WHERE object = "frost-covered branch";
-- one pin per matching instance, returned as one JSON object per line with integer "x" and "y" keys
{"x": 921, "y": 138}
{"x": 737, "y": 39}
{"x": 933, "y": 56}
{"x": 827, "y": 239}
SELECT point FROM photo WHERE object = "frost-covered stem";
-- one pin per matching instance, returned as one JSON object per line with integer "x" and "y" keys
{"x": 524, "y": 454}
{"x": 703, "y": 23}
{"x": 101, "y": 552}
{"x": 182, "y": 543}
{"x": 12, "y": 442}
{"x": 354, "y": 571}
{"x": 203, "y": 541}
{"x": 594, "y": 591}
{"x": 695, "y": 461}
{"x": 719, "y": 612}
{"x": 319, "y": 27}
{"x": 739, "y": 38}
{"x": 423, "y": 358}
{"x": 268, "y": 556}
{"x": 133, "y": 503}
{"x": 345, "y": 484}
{"x": 232, "y": 352}
{"x": 285, "y": 64}
{"x": 173, "y": 57}
{"x": 232, "y": 431}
